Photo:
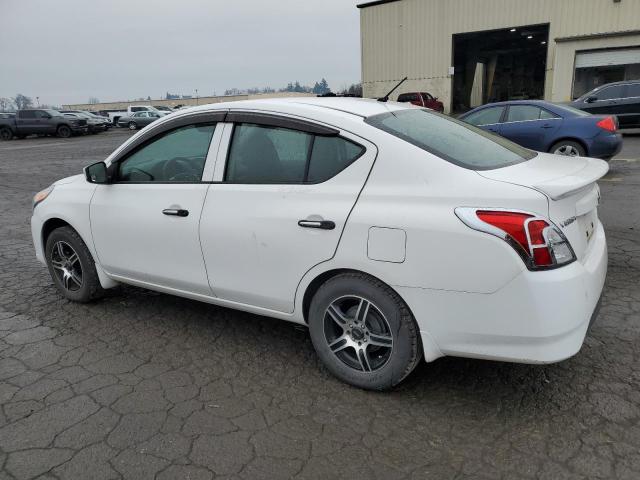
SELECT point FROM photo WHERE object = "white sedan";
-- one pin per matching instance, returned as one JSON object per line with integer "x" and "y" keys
{"x": 392, "y": 231}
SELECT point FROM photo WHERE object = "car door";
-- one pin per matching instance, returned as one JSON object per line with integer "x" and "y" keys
{"x": 529, "y": 126}
{"x": 26, "y": 121}
{"x": 607, "y": 101}
{"x": 145, "y": 223}
{"x": 283, "y": 193}
{"x": 629, "y": 109}
{"x": 488, "y": 118}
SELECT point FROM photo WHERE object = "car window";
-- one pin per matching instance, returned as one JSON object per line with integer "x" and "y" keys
{"x": 633, "y": 90}
{"x": 330, "y": 156}
{"x": 450, "y": 139}
{"x": 608, "y": 93}
{"x": 547, "y": 115}
{"x": 487, "y": 116}
{"x": 261, "y": 154}
{"x": 407, "y": 97}
{"x": 27, "y": 114}
{"x": 176, "y": 156}
{"x": 523, "y": 113}
{"x": 268, "y": 155}
{"x": 42, "y": 114}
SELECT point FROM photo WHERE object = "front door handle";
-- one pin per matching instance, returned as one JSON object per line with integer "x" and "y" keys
{"x": 547, "y": 126}
{"x": 176, "y": 212}
{"x": 321, "y": 224}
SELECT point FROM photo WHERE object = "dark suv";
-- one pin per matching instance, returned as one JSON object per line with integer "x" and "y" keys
{"x": 621, "y": 99}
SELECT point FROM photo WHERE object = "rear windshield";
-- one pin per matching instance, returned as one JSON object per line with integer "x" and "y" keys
{"x": 450, "y": 139}
{"x": 574, "y": 111}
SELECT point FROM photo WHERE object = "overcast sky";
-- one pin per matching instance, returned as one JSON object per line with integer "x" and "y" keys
{"x": 68, "y": 50}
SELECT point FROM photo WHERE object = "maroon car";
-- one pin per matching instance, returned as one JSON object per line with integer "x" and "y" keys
{"x": 422, "y": 99}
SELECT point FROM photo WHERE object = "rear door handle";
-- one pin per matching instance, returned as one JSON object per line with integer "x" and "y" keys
{"x": 547, "y": 126}
{"x": 321, "y": 224}
{"x": 176, "y": 212}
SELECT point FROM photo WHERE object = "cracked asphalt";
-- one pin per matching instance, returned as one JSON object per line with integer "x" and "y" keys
{"x": 141, "y": 385}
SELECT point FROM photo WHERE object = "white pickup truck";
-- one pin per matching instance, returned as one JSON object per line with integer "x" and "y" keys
{"x": 114, "y": 115}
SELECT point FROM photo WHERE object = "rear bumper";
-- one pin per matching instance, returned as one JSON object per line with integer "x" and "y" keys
{"x": 539, "y": 317}
{"x": 605, "y": 145}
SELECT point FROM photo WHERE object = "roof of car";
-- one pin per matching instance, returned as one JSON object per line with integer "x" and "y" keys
{"x": 362, "y": 107}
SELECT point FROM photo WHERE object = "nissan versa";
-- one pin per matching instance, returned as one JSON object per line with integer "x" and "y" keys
{"x": 392, "y": 231}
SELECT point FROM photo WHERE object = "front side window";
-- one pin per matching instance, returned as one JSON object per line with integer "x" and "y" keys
{"x": 450, "y": 139}
{"x": 176, "y": 156}
{"x": 272, "y": 155}
{"x": 486, "y": 116}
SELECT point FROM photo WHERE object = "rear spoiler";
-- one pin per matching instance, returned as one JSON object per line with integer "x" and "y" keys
{"x": 565, "y": 186}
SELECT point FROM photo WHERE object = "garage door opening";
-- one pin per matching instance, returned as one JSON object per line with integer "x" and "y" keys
{"x": 499, "y": 65}
{"x": 599, "y": 67}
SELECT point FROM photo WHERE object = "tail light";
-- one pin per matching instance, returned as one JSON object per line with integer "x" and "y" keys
{"x": 540, "y": 244}
{"x": 610, "y": 124}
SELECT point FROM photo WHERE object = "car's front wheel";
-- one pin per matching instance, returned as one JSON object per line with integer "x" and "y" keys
{"x": 64, "y": 131}
{"x": 132, "y": 126}
{"x": 71, "y": 266}
{"x": 568, "y": 148}
{"x": 363, "y": 332}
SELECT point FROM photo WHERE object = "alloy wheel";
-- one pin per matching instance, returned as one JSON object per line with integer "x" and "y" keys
{"x": 132, "y": 126}
{"x": 358, "y": 334}
{"x": 567, "y": 150}
{"x": 66, "y": 265}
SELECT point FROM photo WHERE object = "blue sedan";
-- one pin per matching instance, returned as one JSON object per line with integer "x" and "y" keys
{"x": 547, "y": 127}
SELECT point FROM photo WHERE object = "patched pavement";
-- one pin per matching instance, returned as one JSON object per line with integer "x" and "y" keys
{"x": 144, "y": 385}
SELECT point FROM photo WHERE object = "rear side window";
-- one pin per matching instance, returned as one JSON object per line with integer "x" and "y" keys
{"x": 407, "y": 97}
{"x": 523, "y": 113}
{"x": 609, "y": 92}
{"x": 27, "y": 114}
{"x": 273, "y": 155}
{"x": 633, "y": 90}
{"x": 487, "y": 116}
{"x": 450, "y": 139}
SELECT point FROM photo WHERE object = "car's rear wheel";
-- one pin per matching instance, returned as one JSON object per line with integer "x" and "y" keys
{"x": 363, "y": 332}
{"x": 568, "y": 148}
{"x": 63, "y": 131}
{"x": 71, "y": 266}
{"x": 133, "y": 126}
{"x": 6, "y": 134}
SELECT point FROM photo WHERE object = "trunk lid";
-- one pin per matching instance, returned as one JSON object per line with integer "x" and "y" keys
{"x": 569, "y": 184}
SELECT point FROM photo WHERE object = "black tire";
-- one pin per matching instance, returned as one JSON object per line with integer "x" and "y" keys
{"x": 395, "y": 362}
{"x": 132, "y": 126}
{"x": 568, "y": 146}
{"x": 89, "y": 287}
{"x": 6, "y": 134}
{"x": 63, "y": 131}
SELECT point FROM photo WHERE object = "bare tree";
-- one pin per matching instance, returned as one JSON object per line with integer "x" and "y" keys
{"x": 5, "y": 104}
{"x": 93, "y": 100}
{"x": 22, "y": 101}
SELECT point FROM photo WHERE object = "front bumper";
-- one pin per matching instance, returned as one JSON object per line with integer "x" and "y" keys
{"x": 538, "y": 317}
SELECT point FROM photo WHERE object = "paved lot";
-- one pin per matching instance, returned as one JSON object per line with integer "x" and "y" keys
{"x": 143, "y": 385}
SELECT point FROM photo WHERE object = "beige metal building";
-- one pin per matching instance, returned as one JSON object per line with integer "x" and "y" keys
{"x": 470, "y": 52}
{"x": 123, "y": 104}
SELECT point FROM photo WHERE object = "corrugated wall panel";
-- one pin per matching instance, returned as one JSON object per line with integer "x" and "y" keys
{"x": 414, "y": 37}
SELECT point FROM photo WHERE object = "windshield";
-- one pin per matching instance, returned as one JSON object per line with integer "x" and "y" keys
{"x": 452, "y": 140}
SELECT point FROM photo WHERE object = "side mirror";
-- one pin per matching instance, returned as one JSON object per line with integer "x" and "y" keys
{"x": 591, "y": 99}
{"x": 97, "y": 173}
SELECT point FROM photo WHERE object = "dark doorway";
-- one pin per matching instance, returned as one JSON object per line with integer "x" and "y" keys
{"x": 499, "y": 65}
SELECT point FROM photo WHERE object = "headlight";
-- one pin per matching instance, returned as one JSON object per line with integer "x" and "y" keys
{"x": 41, "y": 196}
